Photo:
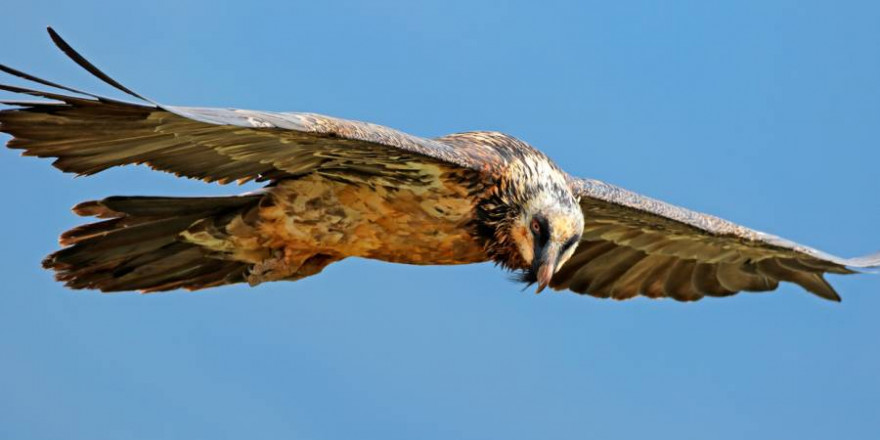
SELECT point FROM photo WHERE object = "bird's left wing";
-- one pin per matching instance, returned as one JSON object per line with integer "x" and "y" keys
{"x": 88, "y": 133}
{"x": 636, "y": 245}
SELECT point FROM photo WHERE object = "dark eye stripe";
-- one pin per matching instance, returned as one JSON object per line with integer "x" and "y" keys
{"x": 571, "y": 242}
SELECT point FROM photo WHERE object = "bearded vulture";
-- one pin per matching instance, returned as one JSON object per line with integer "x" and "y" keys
{"x": 337, "y": 188}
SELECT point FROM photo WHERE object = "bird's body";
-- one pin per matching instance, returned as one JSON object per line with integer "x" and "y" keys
{"x": 316, "y": 217}
{"x": 339, "y": 189}
{"x": 413, "y": 226}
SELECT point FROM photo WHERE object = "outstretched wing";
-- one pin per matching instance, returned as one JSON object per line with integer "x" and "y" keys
{"x": 88, "y": 133}
{"x": 634, "y": 245}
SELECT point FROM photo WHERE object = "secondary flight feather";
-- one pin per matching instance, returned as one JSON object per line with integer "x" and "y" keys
{"x": 337, "y": 188}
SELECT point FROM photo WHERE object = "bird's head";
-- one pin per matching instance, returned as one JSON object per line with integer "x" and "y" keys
{"x": 546, "y": 234}
{"x": 533, "y": 223}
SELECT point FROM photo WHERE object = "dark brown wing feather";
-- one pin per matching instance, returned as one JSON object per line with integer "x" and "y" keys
{"x": 90, "y": 133}
{"x": 637, "y": 245}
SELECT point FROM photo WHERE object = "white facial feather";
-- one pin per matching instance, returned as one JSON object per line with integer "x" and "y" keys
{"x": 548, "y": 195}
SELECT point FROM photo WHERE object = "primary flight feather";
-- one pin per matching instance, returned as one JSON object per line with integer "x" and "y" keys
{"x": 338, "y": 188}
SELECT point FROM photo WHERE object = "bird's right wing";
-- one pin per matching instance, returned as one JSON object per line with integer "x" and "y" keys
{"x": 634, "y": 245}
{"x": 87, "y": 133}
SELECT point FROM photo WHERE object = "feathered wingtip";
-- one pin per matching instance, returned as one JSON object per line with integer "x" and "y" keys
{"x": 80, "y": 60}
{"x": 866, "y": 264}
{"x": 88, "y": 66}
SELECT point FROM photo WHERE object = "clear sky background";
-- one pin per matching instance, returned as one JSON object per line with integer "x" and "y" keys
{"x": 763, "y": 112}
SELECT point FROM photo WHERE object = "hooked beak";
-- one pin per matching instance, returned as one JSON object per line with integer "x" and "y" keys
{"x": 546, "y": 266}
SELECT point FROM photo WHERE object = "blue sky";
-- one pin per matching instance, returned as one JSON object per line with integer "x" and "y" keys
{"x": 763, "y": 112}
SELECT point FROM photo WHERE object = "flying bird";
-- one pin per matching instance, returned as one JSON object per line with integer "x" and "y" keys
{"x": 338, "y": 188}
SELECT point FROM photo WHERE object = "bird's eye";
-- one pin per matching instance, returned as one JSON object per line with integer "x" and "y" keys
{"x": 536, "y": 226}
